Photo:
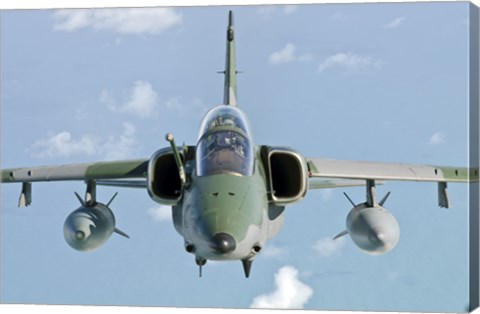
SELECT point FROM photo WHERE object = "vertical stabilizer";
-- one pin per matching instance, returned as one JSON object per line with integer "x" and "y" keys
{"x": 230, "y": 91}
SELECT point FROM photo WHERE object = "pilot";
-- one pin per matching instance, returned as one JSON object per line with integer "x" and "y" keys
{"x": 228, "y": 122}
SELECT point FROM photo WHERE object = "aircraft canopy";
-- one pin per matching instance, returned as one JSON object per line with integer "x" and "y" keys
{"x": 224, "y": 144}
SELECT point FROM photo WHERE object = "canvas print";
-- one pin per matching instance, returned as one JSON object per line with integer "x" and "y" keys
{"x": 314, "y": 156}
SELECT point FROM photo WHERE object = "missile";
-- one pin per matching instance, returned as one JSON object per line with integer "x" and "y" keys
{"x": 373, "y": 229}
{"x": 92, "y": 224}
{"x": 370, "y": 226}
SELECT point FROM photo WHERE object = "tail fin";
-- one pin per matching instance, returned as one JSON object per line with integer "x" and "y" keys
{"x": 230, "y": 91}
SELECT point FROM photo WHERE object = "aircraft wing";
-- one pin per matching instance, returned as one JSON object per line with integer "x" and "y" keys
{"x": 128, "y": 169}
{"x": 354, "y": 170}
{"x": 84, "y": 171}
{"x": 349, "y": 169}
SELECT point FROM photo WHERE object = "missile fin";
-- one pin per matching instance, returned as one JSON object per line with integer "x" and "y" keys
{"x": 111, "y": 200}
{"x": 349, "y": 199}
{"x": 384, "y": 199}
{"x": 120, "y": 232}
{"x": 341, "y": 234}
{"x": 80, "y": 199}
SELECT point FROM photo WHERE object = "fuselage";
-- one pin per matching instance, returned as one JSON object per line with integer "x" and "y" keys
{"x": 225, "y": 207}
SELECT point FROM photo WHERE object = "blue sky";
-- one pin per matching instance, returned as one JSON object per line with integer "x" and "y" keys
{"x": 379, "y": 82}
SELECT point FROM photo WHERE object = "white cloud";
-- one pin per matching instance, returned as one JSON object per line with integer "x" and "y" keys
{"x": 122, "y": 147}
{"x": 63, "y": 144}
{"x": 437, "y": 138}
{"x": 142, "y": 101}
{"x": 289, "y": 9}
{"x": 287, "y": 54}
{"x": 175, "y": 104}
{"x": 350, "y": 62}
{"x": 125, "y": 21}
{"x": 108, "y": 100}
{"x": 273, "y": 251}
{"x": 289, "y": 293}
{"x": 161, "y": 213}
{"x": 284, "y": 55}
{"x": 267, "y": 11}
{"x": 394, "y": 23}
{"x": 327, "y": 247}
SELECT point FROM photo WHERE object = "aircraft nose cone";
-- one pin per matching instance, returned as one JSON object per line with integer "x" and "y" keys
{"x": 223, "y": 243}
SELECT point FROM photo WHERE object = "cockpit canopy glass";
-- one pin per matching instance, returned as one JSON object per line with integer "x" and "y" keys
{"x": 226, "y": 117}
{"x": 224, "y": 145}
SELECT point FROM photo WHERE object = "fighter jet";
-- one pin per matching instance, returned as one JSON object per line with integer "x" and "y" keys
{"x": 228, "y": 195}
